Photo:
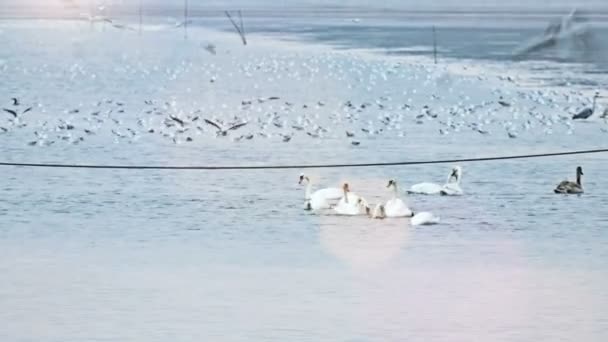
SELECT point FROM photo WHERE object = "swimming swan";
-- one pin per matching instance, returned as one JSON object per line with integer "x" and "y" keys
{"x": 419, "y": 219}
{"x": 395, "y": 207}
{"x": 568, "y": 187}
{"x": 379, "y": 212}
{"x": 424, "y": 218}
{"x": 451, "y": 187}
{"x": 320, "y": 199}
{"x": 350, "y": 203}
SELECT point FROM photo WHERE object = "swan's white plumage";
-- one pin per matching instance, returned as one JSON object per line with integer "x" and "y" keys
{"x": 350, "y": 203}
{"x": 329, "y": 193}
{"x": 320, "y": 199}
{"x": 396, "y": 207}
{"x": 451, "y": 187}
{"x": 426, "y": 189}
{"x": 352, "y": 206}
{"x": 424, "y": 218}
{"x": 316, "y": 203}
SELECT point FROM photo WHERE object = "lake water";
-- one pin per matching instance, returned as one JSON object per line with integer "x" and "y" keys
{"x": 134, "y": 255}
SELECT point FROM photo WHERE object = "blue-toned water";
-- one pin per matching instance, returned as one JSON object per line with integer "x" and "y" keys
{"x": 119, "y": 255}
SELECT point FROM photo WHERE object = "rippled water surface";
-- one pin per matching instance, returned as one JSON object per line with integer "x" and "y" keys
{"x": 146, "y": 255}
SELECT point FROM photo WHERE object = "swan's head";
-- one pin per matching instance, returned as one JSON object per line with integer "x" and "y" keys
{"x": 345, "y": 187}
{"x": 391, "y": 182}
{"x": 579, "y": 171}
{"x": 456, "y": 173}
{"x": 303, "y": 178}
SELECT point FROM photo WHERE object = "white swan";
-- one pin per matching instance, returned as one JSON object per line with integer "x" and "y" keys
{"x": 379, "y": 212}
{"x": 426, "y": 189}
{"x": 320, "y": 199}
{"x": 395, "y": 207}
{"x": 419, "y": 219}
{"x": 452, "y": 186}
{"x": 424, "y": 218}
{"x": 351, "y": 204}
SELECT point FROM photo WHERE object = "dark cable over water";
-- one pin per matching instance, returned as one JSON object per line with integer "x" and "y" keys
{"x": 303, "y": 166}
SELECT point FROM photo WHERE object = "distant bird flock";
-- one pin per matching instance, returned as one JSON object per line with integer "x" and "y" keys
{"x": 274, "y": 118}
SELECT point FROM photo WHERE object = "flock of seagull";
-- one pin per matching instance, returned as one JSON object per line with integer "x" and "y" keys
{"x": 273, "y": 118}
{"x": 388, "y": 100}
{"x": 342, "y": 201}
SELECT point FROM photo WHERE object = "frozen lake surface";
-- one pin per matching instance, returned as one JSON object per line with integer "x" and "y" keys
{"x": 117, "y": 255}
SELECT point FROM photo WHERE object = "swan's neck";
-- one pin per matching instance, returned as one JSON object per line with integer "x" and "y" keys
{"x": 450, "y": 177}
{"x": 454, "y": 178}
{"x": 578, "y": 179}
{"x": 594, "y": 102}
{"x": 395, "y": 191}
{"x": 345, "y": 196}
{"x": 308, "y": 189}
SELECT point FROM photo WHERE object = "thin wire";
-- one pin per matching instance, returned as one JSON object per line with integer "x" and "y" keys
{"x": 310, "y": 166}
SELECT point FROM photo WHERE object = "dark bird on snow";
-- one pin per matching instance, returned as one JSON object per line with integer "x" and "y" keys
{"x": 176, "y": 119}
{"x": 211, "y": 49}
{"x": 10, "y": 111}
{"x": 503, "y": 103}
